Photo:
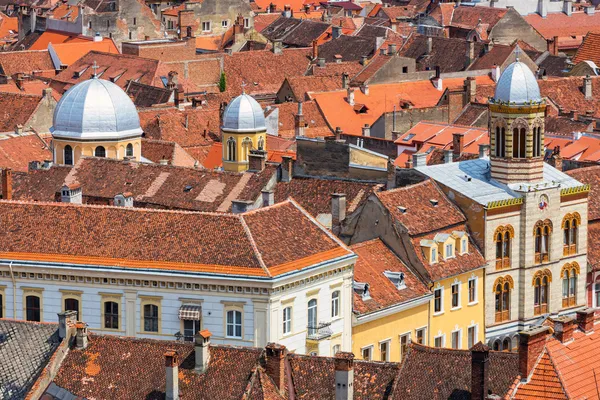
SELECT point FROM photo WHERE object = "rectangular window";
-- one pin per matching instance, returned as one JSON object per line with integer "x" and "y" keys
{"x": 384, "y": 350}
{"x": 190, "y": 328}
{"x": 206, "y": 26}
{"x": 335, "y": 304}
{"x": 224, "y": 24}
{"x": 405, "y": 70}
{"x": 463, "y": 244}
{"x": 448, "y": 250}
{"x": 234, "y": 324}
{"x": 597, "y": 294}
{"x": 366, "y": 353}
{"x": 134, "y": 21}
{"x": 111, "y": 315}
{"x": 404, "y": 341}
{"x": 287, "y": 320}
{"x": 438, "y": 341}
{"x": 472, "y": 334}
{"x": 336, "y": 349}
{"x": 33, "y": 308}
{"x": 1, "y": 306}
{"x": 433, "y": 255}
{"x": 456, "y": 295}
{"x": 246, "y": 23}
{"x": 437, "y": 300}
{"x": 472, "y": 290}
{"x": 150, "y": 318}
{"x": 421, "y": 335}
{"x": 456, "y": 340}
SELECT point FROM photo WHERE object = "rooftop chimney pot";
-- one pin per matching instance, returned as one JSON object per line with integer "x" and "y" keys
{"x": 585, "y": 320}
{"x": 344, "y": 376}
{"x": 172, "y": 372}
{"x": 202, "y": 350}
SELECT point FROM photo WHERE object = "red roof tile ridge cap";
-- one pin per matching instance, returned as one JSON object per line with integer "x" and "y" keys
{"x": 17, "y": 94}
{"x": 24, "y": 51}
{"x": 558, "y": 372}
{"x": 318, "y": 224}
{"x": 122, "y": 55}
{"x": 30, "y": 322}
{"x": 158, "y": 141}
{"x": 404, "y": 188}
{"x": 367, "y": 243}
{"x": 272, "y": 206}
{"x": 255, "y": 249}
{"x": 440, "y": 350}
{"x": 124, "y": 209}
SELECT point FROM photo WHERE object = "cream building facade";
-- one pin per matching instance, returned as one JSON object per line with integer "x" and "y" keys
{"x": 529, "y": 218}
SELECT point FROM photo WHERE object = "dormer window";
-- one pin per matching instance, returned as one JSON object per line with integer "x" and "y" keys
{"x": 449, "y": 251}
{"x": 362, "y": 289}
{"x": 433, "y": 255}
{"x": 463, "y": 246}
{"x": 397, "y": 278}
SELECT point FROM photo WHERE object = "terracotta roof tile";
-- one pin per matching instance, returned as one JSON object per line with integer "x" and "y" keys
{"x": 591, "y": 176}
{"x": 157, "y": 150}
{"x": 301, "y": 85}
{"x": 147, "y": 95}
{"x": 261, "y": 21}
{"x": 561, "y": 25}
{"x": 544, "y": 383}
{"x": 469, "y": 17}
{"x": 17, "y": 152}
{"x": 295, "y": 32}
{"x": 473, "y": 115}
{"x": 316, "y": 124}
{"x": 16, "y": 109}
{"x": 351, "y": 48}
{"x": 567, "y": 93}
{"x": 589, "y": 49}
{"x": 337, "y": 69}
{"x": 27, "y": 62}
{"x": 374, "y": 257}
{"x": 55, "y": 37}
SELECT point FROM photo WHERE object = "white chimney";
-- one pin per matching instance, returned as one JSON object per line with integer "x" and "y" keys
{"x": 66, "y": 319}
{"x": 448, "y": 156}
{"x": 344, "y": 376}
{"x": 202, "y": 350}
{"x": 419, "y": 160}
{"x": 366, "y": 130}
{"x": 81, "y": 338}
{"x": 71, "y": 194}
{"x": 543, "y": 8}
{"x": 338, "y": 208}
{"x": 172, "y": 370}
{"x": 495, "y": 73}
{"x": 568, "y": 7}
{"x": 437, "y": 83}
{"x": 97, "y": 37}
{"x": 350, "y": 92}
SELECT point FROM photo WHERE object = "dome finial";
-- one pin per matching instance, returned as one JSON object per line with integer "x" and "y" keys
{"x": 517, "y": 53}
{"x": 244, "y": 87}
{"x": 95, "y": 68}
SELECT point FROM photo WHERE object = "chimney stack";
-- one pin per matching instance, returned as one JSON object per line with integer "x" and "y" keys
{"x": 471, "y": 89}
{"x": 419, "y": 160}
{"x": 350, "y": 97}
{"x": 480, "y": 356}
{"x": 7, "y": 184}
{"x": 345, "y": 80}
{"x": 531, "y": 345}
{"x": 470, "y": 52}
{"x": 344, "y": 376}
{"x": 484, "y": 150}
{"x": 286, "y": 168}
{"x": 257, "y": 160}
{"x": 66, "y": 319}
{"x": 365, "y": 89}
{"x": 563, "y": 328}
{"x": 321, "y": 62}
{"x": 429, "y": 45}
{"x": 590, "y": 10}
{"x": 448, "y": 156}
{"x": 202, "y": 350}
{"x": 391, "y": 49}
{"x": 315, "y": 49}
{"x": 275, "y": 364}
{"x": 172, "y": 370}
{"x": 81, "y": 339}
{"x": 587, "y": 88}
{"x": 336, "y": 31}
{"x": 585, "y": 320}
{"x": 287, "y": 11}
{"x": 277, "y": 46}
{"x": 366, "y": 130}
{"x": 458, "y": 142}
{"x": 543, "y": 8}
{"x": 568, "y": 7}
{"x": 240, "y": 206}
{"x": 299, "y": 124}
{"x": 268, "y": 198}
{"x": 391, "y": 174}
{"x": 338, "y": 208}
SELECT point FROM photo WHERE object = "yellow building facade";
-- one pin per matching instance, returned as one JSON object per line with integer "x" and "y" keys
{"x": 70, "y": 151}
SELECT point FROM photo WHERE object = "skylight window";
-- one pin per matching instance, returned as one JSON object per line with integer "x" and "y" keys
{"x": 408, "y": 137}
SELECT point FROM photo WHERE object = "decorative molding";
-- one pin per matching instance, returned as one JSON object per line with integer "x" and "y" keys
{"x": 540, "y": 274}
{"x": 575, "y": 190}
{"x": 503, "y": 229}
{"x": 572, "y": 266}
{"x": 569, "y": 217}
{"x": 504, "y": 203}
{"x": 501, "y": 280}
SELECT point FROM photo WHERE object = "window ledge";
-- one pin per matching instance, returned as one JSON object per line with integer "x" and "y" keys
{"x": 333, "y": 319}
{"x": 455, "y": 308}
{"x": 474, "y": 303}
{"x": 435, "y": 314}
{"x": 233, "y": 338}
{"x": 151, "y": 333}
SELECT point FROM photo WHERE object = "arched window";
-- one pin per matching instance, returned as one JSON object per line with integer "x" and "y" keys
{"x": 246, "y": 147}
{"x": 32, "y": 308}
{"x": 506, "y": 345}
{"x": 503, "y": 237}
{"x": 518, "y": 144}
{"x": 537, "y": 141}
{"x": 502, "y": 287}
{"x": 312, "y": 317}
{"x": 129, "y": 150}
{"x": 500, "y": 150}
{"x": 568, "y": 274}
{"x": 72, "y": 305}
{"x": 541, "y": 232}
{"x": 68, "y": 155}
{"x": 261, "y": 143}
{"x": 496, "y": 345}
{"x": 100, "y": 151}
{"x": 231, "y": 149}
{"x": 335, "y": 304}
{"x": 541, "y": 281}
{"x": 570, "y": 227}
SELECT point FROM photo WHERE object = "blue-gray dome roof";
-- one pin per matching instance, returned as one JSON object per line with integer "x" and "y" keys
{"x": 95, "y": 109}
{"x": 517, "y": 84}
{"x": 244, "y": 114}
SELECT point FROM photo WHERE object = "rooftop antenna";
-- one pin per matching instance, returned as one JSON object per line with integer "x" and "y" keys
{"x": 95, "y": 68}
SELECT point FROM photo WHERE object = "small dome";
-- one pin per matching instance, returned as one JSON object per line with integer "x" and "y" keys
{"x": 518, "y": 85}
{"x": 96, "y": 109}
{"x": 244, "y": 114}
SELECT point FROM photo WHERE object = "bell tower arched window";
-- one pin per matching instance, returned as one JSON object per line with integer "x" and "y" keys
{"x": 537, "y": 141}
{"x": 231, "y": 149}
{"x": 519, "y": 142}
{"x": 570, "y": 226}
{"x": 500, "y": 142}
{"x": 541, "y": 232}
{"x": 68, "y": 155}
{"x": 246, "y": 146}
{"x": 502, "y": 288}
{"x": 100, "y": 151}
{"x": 541, "y": 284}
{"x": 503, "y": 237}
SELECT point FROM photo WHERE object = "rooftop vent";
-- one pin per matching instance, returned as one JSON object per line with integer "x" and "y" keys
{"x": 187, "y": 188}
{"x": 402, "y": 209}
{"x": 397, "y": 278}
{"x": 362, "y": 289}
{"x": 433, "y": 202}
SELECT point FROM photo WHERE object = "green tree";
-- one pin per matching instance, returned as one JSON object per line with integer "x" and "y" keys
{"x": 222, "y": 82}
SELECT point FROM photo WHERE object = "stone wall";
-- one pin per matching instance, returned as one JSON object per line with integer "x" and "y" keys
{"x": 513, "y": 27}
{"x": 406, "y": 119}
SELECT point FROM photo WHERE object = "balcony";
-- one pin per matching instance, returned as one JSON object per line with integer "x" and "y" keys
{"x": 319, "y": 332}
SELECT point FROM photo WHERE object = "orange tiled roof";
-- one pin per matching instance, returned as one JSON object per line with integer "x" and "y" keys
{"x": 68, "y": 53}
{"x": 316, "y": 126}
{"x": 589, "y": 49}
{"x": 296, "y": 5}
{"x": 27, "y": 62}
{"x": 17, "y": 152}
{"x": 55, "y": 38}
{"x": 567, "y": 93}
{"x": 8, "y": 25}
{"x": 544, "y": 383}
{"x": 66, "y": 12}
{"x": 564, "y": 26}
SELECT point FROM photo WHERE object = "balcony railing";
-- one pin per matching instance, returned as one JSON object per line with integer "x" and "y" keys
{"x": 319, "y": 332}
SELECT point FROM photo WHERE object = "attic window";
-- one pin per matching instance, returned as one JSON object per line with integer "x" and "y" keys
{"x": 362, "y": 289}
{"x": 433, "y": 202}
{"x": 402, "y": 209}
{"x": 360, "y": 109}
{"x": 397, "y": 278}
{"x": 164, "y": 80}
{"x": 79, "y": 73}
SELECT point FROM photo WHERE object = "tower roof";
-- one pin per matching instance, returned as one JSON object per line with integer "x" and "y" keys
{"x": 244, "y": 114}
{"x": 517, "y": 85}
{"x": 95, "y": 109}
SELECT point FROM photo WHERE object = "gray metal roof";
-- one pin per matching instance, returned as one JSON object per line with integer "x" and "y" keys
{"x": 472, "y": 179}
{"x": 517, "y": 84}
{"x": 244, "y": 114}
{"x": 25, "y": 349}
{"x": 96, "y": 109}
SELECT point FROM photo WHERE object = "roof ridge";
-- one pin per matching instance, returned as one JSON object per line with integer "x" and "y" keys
{"x": 257, "y": 253}
{"x": 557, "y": 371}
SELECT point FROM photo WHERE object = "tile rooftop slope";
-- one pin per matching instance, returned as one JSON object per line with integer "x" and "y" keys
{"x": 496, "y": 56}
{"x": 551, "y": 65}
{"x": 16, "y": 109}
{"x": 315, "y": 194}
{"x": 25, "y": 349}
{"x": 296, "y": 5}
{"x": 481, "y": 188}
{"x": 351, "y": 48}
{"x": 586, "y": 148}
{"x": 441, "y": 134}
{"x": 12, "y": 62}
{"x": 39, "y": 185}
{"x": 374, "y": 257}
{"x": 590, "y": 176}
{"x": 437, "y": 156}
{"x": 295, "y": 32}
{"x": 421, "y": 216}
{"x": 316, "y": 124}
{"x": 561, "y": 25}
{"x": 336, "y": 69}
{"x": 55, "y": 37}
{"x": 147, "y": 95}
{"x": 152, "y": 185}
{"x": 447, "y": 53}
{"x": 260, "y": 242}
{"x": 29, "y": 86}
{"x": 433, "y": 373}
{"x": 262, "y": 70}
{"x": 17, "y": 152}
{"x": 157, "y": 150}
{"x": 544, "y": 384}
{"x": 261, "y": 21}
{"x": 68, "y": 53}
{"x": 564, "y": 126}
{"x": 377, "y": 62}
{"x": 301, "y": 85}
{"x": 567, "y": 93}
{"x": 450, "y": 14}
{"x": 195, "y": 75}
{"x": 382, "y": 98}
{"x": 473, "y": 115}
{"x": 589, "y": 49}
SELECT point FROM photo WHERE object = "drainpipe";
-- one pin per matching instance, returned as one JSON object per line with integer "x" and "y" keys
{"x": 12, "y": 276}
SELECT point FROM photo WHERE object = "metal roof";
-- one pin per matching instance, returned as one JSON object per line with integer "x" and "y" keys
{"x": 244, "y": 114}
{"x": 517, "y": 84}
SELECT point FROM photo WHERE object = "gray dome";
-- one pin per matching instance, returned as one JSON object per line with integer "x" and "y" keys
{"x": 244, "y": 114}
{"x": 517, "y": 84}
{"x": 96, "y": 109}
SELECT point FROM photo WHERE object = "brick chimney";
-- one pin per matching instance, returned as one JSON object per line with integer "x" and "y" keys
{"x": 338, "y": 208}
{"x": 587, "y": 88}
{"x": 7, "y": 184}
{"x": 299, "y": 125}
{"x": 172, "y": 370}
{"x": 585, "y": 320}
{"x": 563, "y": 328}
{"x": 471, "y": 89}
{"x": 286, "y": 168}
{"x": 315, "y": 49}
{"x": 81, "y": 338}
{"x": 257, "y": 160}
{"x": 391, "y": 174}
{"x": 458, "y": 142}
{"x": 65, "y": 320}
{"x": 344, "y": 376}
{"x": 268, "y": 197}
{"x": 275, "y": 355}
{"x": 480, "y": 368}
{"x": 202, "y": 350}
{"x": 553, "y": 46}
{"x": 531, "y": 345}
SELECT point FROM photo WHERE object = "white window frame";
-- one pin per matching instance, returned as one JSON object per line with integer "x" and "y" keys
{"x": 234, "y": 310}
{"x": 288, "y": 321}
{"x": 370, "y": 348}
{"x": 408, "y": 340}
{"x": 449, "y": 254}
{"x": 442, "y": 338}
{"x": 459, "y": 332}
{"x": 336, "y": 348}
{"x": 475, "y": 327}
{"x": 459, "y": 306}
{"x": 434, "y": 255}
{"x": 441, "y": 289}
{"x": 388, "y": 343}
{"x": 424, "y": 329}
{"x": 225, "y": 23}
{"x": 208, "y": 24}
{"x": 464, "y": 246}
{"x": 336, "y": 304}
{"x": 473, "y": 279}
{"x": 596, "y": 291}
